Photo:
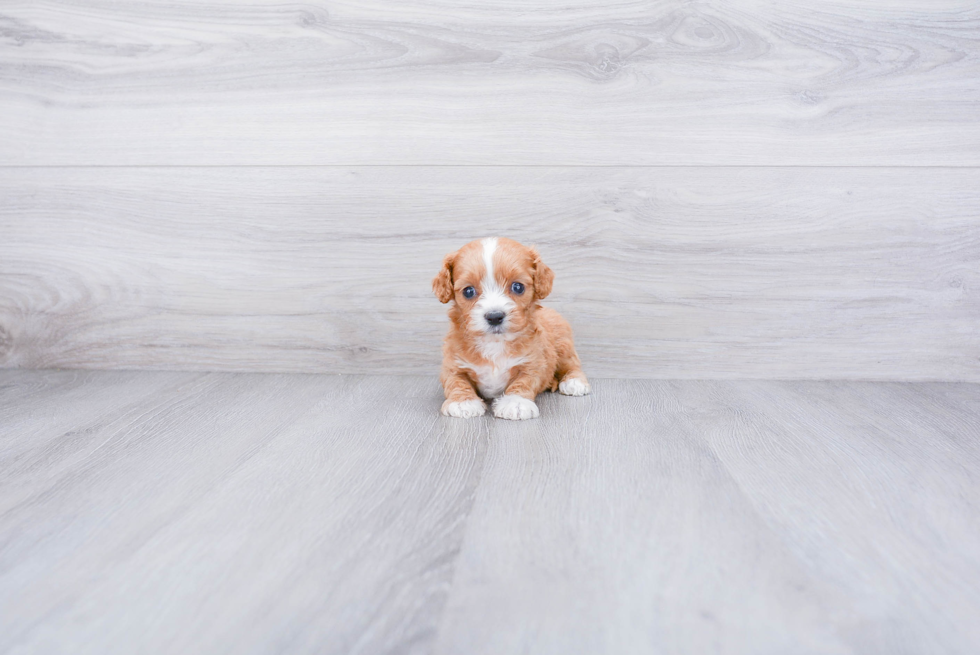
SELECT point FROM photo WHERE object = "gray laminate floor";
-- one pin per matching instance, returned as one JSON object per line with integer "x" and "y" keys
{"x": 248, "y": 513}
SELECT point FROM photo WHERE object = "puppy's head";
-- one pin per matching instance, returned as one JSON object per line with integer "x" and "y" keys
{"x": 495, "y": 284}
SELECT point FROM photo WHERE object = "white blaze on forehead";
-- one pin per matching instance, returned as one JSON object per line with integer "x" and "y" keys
{"x": 489, "y": 281}
{"x": 492, "y": 296}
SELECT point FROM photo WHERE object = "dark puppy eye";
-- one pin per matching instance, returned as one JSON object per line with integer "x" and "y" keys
{"x": 517, "y": 288}
{"x": 469, "y": 292}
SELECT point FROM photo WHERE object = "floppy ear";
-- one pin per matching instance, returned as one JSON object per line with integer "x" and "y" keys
{"x": 442, "y": 283}
{"x": 544, "y": 277}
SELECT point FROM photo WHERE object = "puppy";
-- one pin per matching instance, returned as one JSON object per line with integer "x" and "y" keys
{"x": 502, "y": 344}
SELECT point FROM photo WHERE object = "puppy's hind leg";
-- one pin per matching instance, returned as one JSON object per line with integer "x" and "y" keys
{"x": 574, "y": 383}
{"x": 571, "y": 378}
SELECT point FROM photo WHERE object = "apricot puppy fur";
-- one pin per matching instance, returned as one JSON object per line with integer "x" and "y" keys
{"x": 502, "y": 345}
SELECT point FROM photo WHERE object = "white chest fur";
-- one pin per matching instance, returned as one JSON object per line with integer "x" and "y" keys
{"x": 492, "y": 378}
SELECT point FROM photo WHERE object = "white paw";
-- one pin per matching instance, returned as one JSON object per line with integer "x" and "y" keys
{"x": 464, "y": 409}
{"x": 514, "y": 408}
{"x": 574, "y": 387}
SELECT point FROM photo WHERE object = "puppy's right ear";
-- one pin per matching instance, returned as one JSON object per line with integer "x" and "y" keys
{"x": 442, "y": 284}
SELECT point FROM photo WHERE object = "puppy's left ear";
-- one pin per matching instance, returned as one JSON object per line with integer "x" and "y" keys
{"x": 544, "y": 277}
{"x": 442, "y": 283}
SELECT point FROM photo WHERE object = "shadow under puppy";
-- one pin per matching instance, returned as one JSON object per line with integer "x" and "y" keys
{"x": 502, "y": 344}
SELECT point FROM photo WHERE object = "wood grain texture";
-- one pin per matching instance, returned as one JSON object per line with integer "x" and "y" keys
{"x": 819, "y": 442}
{"x": 242, "y": 513}
{"x": 667, "y": 82}
{"x": 161, "y": 512}
{"x": 663, "y": 273}
{"x": 740, "y": 500}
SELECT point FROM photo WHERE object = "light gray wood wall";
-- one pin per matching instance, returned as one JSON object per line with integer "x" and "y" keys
{"x": 752, "y": 189}
{"x": 802, "y": 82}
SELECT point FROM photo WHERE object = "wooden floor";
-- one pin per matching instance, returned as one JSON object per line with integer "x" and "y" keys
{"x": 152, "y": 512}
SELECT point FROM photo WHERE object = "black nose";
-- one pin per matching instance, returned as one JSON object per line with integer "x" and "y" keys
{"x": 494, "y": 318}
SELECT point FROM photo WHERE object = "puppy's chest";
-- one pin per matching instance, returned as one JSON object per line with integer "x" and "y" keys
{"x": 493, "y": 377}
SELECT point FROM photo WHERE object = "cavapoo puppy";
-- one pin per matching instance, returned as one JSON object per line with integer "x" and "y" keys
{"x": 502, "y": 344}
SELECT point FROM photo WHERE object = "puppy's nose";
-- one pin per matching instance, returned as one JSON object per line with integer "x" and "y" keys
{"x": 494, "y": 318}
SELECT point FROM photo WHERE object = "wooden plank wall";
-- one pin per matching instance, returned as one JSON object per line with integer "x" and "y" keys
{"x": 725, "y": 189}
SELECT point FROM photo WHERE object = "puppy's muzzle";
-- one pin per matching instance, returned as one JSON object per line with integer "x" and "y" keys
{"x": 494, "y": 318}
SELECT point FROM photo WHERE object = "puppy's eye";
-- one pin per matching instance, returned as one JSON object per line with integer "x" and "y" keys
{"x": 517, "y": 288}
{"x": 469, "y": 292}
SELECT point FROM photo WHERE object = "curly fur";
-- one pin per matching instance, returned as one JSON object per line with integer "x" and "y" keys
{"x": 530, "y": 352}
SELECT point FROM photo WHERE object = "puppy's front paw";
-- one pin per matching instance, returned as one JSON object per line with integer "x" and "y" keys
{"x": 574, "y": 387}
{"x": 514, "y": 408}
{"x": 464, "y": 408}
